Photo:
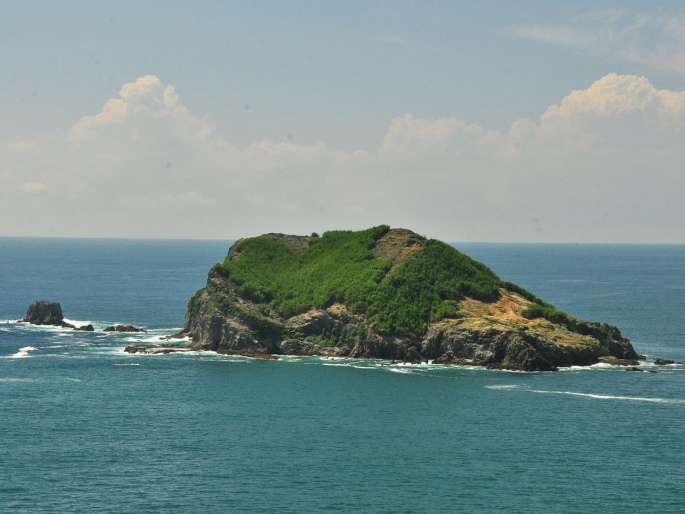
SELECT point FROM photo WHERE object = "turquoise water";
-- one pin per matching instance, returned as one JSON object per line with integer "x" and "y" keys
{"x": 87, "y": 428}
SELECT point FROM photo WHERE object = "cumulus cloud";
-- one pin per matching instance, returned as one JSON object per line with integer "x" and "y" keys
{"x": 604, "y": 164}
{"x": 146, "y": 96}
{"x": 656, "y": 40}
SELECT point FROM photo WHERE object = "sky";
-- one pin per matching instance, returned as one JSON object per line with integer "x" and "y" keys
{"x": 527, "y": 121}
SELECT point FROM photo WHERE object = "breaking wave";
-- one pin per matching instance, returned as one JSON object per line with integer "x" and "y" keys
{"x": 596, "y": 396}
{"x": 22, "y": 353}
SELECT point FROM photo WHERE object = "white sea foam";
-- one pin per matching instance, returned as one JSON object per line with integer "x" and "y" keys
{"x": 576, "y": 368}
{"x": 22, "y": 353}
{"x": 77, "y": 323}
{"x": 217, "y": 357}
{"x": 290, "y": 358}
{"x": 613, "y": 397}
{"x": 128, "y": 364}
{"x": 16, "y": 379}
{"x": 397, "y": 369}
{"x": 595, "y": 396}
{"x": 152, "y": 338}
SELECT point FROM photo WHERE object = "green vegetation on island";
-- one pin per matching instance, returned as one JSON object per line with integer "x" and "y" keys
{"x": 342, "y": 267}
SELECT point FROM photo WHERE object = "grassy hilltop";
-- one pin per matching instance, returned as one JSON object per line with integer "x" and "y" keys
{"x": 400, "y": 290}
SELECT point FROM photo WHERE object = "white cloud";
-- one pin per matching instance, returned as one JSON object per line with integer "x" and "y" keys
{"x": 605, "y": 164}
{"x": 656, "y": 40}
{"x": 145, "y": 111}
{"x": 413, "y": 138}
{"x": 623, "y": 112}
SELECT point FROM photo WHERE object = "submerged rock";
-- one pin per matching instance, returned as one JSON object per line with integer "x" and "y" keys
{"x": 665, "y": 362}
{"x": 124, "y": 328}
{"x": 615, "y": 361}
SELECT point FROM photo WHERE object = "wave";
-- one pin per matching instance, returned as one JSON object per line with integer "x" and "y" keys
{"x": 613, "y": 397}
{"x": 22, "y": 353}
{"x": 404, "y": 371}
{"x": 596, "y": 396}
{"x": 77, "y": 323}
{"x": 153, "y": 338}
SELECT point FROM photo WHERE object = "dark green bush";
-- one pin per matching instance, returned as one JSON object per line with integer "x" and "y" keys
{"x": 548, "y": 312}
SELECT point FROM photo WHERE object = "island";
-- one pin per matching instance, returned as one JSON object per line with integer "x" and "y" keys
{"x": 385, "y": 293}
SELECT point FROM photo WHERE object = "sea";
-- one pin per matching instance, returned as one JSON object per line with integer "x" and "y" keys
{"x": 86, "y": 427}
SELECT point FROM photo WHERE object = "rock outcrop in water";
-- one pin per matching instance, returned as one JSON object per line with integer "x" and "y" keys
{"x": 499, "y": 330}
{"x": 124, "y": 328}
{"x": 44, "y": 312}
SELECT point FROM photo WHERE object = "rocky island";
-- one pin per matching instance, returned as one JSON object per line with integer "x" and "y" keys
{"x": 388, "y": 294}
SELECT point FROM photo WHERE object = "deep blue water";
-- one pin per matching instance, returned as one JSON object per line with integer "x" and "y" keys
{"x": 85, "y": 427}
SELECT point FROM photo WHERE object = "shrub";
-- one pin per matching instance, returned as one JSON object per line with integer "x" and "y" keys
{"x": 548, "y": 312}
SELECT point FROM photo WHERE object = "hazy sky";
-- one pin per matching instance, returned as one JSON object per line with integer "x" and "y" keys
{"x": 465, "y": 121}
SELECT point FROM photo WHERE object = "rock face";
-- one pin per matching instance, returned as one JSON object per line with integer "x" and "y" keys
{"x": 495, "y": 334}
{"x": 44, "y": 312}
